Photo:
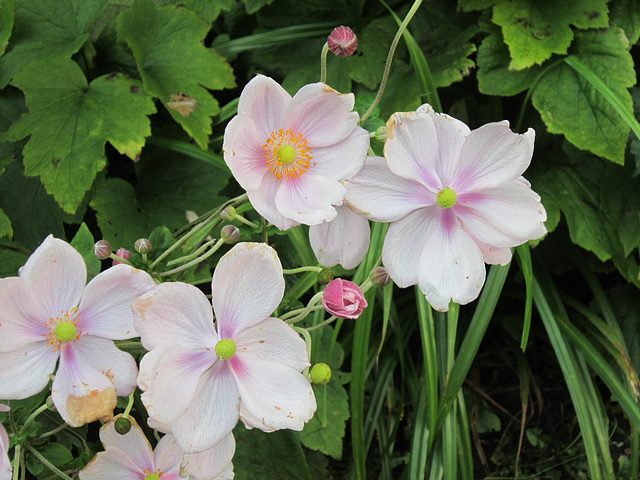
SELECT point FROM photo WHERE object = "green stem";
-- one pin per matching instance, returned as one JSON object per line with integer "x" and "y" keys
{"x": 32, "y": 417}
{"x": 292, "y": 271}
{"x": 51, "y": 432}
{"x": 48, "y": 464}
{"x": 16, "y": 460}
{"x": 194, "y": 255}
{"x": 213, "y": 250}
{"x": 241, "y": 219}
{"x": 323, "y": 63}
{"x": 328, "y": 321}
{"x": 297, "y": 315}
{"x": 129, "y": 405}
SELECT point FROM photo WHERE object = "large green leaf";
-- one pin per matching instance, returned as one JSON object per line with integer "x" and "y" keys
{"x": 45, "y": 29}
{"x": 626, "y": 15}
{"x": 206, "y": 9}
{"x": 570, "y": 105}
{"x": 83, "y": 242}
{"x": 70, "y": 122}
{"x": 536, "y": 29}
{"x": 5, "y": 225}
{"x": 175, "y": 66}
{"x": 6, "y": 23}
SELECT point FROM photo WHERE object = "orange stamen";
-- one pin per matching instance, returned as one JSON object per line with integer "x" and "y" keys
{"x": 294, "y": 167}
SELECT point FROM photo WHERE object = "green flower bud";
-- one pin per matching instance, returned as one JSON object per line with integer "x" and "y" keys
{"x": 143, "y": 245}
{"x": 228, "y": 214}
{"x": 325, "y": 276}
{"x": 320, "y": 374}
{"x": 230, "y": 234}
{"x": 122, "y": 425}
{"x": 381, "y": 134}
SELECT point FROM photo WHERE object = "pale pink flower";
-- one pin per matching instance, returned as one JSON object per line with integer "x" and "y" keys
{"x": 199, "y": 379}
{"x": 122, "y": 253}
{"x": 5, "y": 464}
{"x": 48, "y": 313}
{"x": 343, "y": 299}
{"x": 455, "y": 199}
{"x": 291, "y": 154}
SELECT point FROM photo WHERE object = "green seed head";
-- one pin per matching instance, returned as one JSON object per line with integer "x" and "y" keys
{"x": 152, "y": 476}
{"x": 287, "y": 154}
{"x": 320, "y": 374}
{"x": 226, "y": 349}
{"x": 122, "y": 425}
{"x": 66, "y": 331}
{"x": 446, "y": 198}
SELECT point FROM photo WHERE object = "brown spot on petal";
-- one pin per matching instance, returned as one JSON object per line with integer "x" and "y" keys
{"x": 89, "y": 408}
{"x": 356, "y": 209}
{"x": 142, "y": 305}
{"x": 182, "y": 103}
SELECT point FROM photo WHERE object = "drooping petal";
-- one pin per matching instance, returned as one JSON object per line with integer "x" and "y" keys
{"x": 272, "y": 340}
{"x": 21, "y": 318}
{"x": 490, "y": 254}
{"x": 212, "y": 415}
{"x": 56, "y": 272}
{"x": 382, "y": 196}
{"x": 309, "y": 199}
{"x": 343, "y": 240}
{"x": 168, "y": 457}
{"x": 244, "y": 153}
{"x": 492, "y": 155}
{"x": 451, "y": 266}
{"x": 211, "y": 463}
{"x": 506, "y": 216}
{"x": 169, "y": 376}
{"x": 412, "y": 148}
{"x": 264, "y": 101}
{"x": 25, "y": 372}
{"x": 405, "y": 241}
{"x": 174, "y": 313}
{"x": 247, "y": 287}
{"x": 133, "y": 445}
{"x": 263, "y": 200}
{"x": 321, "y": 114}
{"x": 105, "y": 308}
{"x": 343, "y": 159}
{"x": 278, "y": 395}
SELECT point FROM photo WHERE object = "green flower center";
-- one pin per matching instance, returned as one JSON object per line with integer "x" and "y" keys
{"x": 226, "y": 349}
{"x": 66, "y": 331}
{"x": 152, "y": 476}
{"x": 446, "y": 197}
{"x": 287, "y": 154}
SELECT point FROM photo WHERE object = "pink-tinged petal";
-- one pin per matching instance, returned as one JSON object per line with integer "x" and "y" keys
{"x": 272, "y": 340}
{"x": 276, "y": 394}
{"x": 263, "y": 200}
{"x": 110, "y": 465}
{"x": 211, "y": 463}
{"x": 412, "y": 148}
{"x": 5, "y": 463}
{"x": 247, "y": 287}
{"x": 344, "y": 240}
{"x": 310, "y": 199}
{"x": 105, "y": 309}
{"x": 451, "y": 135}
{"x": 342, "y": 160}
{"x": 492, "y": 255}
{"x": 263, "y": 100}
{"x": 492, "y": 155}
{"x": 169, "y": 376}
{"x": 4, "y": 408}
{"x": 251, "y": 421}
{"x": 382, "y": 196}
{"x": 321, "y": 114}
{"x": 506, "y": 216}
{"x": 81, "y": 392}
{"x": 21, "y": 319}
{"x": 343, "y": 299}
{"x": 451, "y": 266}
{"x": 405, "y": 241}
{"x": 167, "y": 457}
{"x": 243, "y": 152}
{"x": 212, "y": 415}
{"x": 57, "y": 274}
{"x": 174, "y": 313}
{"x": 134, "y": 444}
{"x": 26, "y": 371}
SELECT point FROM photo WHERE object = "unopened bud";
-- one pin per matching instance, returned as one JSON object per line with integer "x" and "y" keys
{"x": 230, "y": 234}
{"x": 122, "y": 253}
{"x": 228, "y": 214}
{"x": 49, "y": 403}
{"x": 380, "y": 277}
{"x": 381, "y": 134}
{"x": 143, "y": 245}
{"x": 325, "y": 276}
{"x": 122, "y": 425}
{"x": 342, "y": 41}
{"x": 320, "y": 374}
{"x": 102, "y": 249}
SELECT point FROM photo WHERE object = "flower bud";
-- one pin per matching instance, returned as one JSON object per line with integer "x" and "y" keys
{"x": 380, "y": 277}
{"x": 122, "y": 425}
{"x": 49, "y": 403}
{"x": 342, "y": 41}
{"x": 230, "y": 234}
{"x": 344, "y": 299}
{"x": 381, "y": 133}
{"x": 228, "y": 213}
{"x": 325, "y": 276}
{"x": 122, "y": 253}
{"x": 320, "y": 374}
{"x": 102, "y": 249}
{"x": 143, "y": 245}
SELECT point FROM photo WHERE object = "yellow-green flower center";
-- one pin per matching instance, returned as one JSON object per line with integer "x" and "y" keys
{"x": 66, "y": 331}
{"x": 446, "y": 197}
{"x": 226, "y": 349}
{"x": 152, "y": 476}
{"x": 287, "y": 154}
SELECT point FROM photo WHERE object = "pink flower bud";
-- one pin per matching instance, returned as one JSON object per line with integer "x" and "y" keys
{"x": 102, "y": 249}
{"x": 143, "y": 245}
{"x": 344, "y": 299}
{"x": 342, "y": 41}
{"x": 123, "y": 253}
{"x": 379, "y": 277}
{"x": 230, "y": 234}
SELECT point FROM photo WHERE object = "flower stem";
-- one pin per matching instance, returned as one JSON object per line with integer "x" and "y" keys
{"x": 301, "y": 313}
{"x": 211, "y": 251}
{"x": 292, "y": 271}
{"x": 48, "y": 464}
{"x": 323, "y": 63}
{"x": 193, "y": 255}
{"x": 129, "y": 405}
{"x": 241, "y": 219}
{"x": 40, "y": 409}
{"x": 387, "y": 66}
{"x": 113, "y": 256}
{"x": 328, "y": 321}
{"x": 16, "y": 461}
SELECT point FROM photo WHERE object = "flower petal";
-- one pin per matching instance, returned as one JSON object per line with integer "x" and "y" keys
{"x": 309, "y": 199}
{"x": 21, "y": 319}
{"x": 451, "y": 266}
{"x": 341, "y": 160}
{"x": 405, "y": 240}
{"x": 263, "y": 201}
{"x": 493, "y": 155}
{"x": 26, "y": 371}
{"x": 382, "y": 196}
{"x": 243, "y": 152}
{"x": 5, "y": 463}
{"x": 133, "y": 445}
{"x": 56, "y": 272}
{"x": 105, "y": 309}
{"x": 247, "y": 287}
{"x": 412, "y": 148}
{"x": 321, "y": 114}
{"x": 168, "y": 457}
{"x": 264, "y": 101}
{"x": 344, "y": 240}
{"x": 169, "y": 376}
{"x": 174, "y": 313}
{"x": 211, "y": 463}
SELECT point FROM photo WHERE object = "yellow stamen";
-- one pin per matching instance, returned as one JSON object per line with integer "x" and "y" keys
{"x": 287, "y": 154}
{"x": 63, "y": 330}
